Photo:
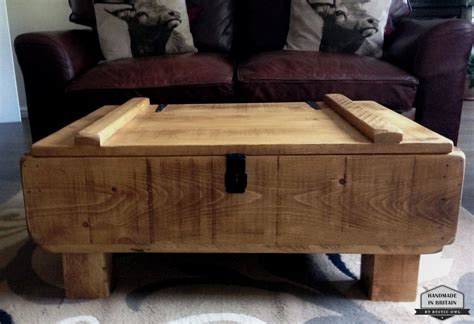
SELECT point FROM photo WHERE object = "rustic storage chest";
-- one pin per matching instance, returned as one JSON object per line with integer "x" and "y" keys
{"x": 338, "y": 177}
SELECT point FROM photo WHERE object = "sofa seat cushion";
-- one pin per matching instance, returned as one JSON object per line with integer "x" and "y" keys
{"x": 186, "y": 78}
{"x": 281, "y": 76}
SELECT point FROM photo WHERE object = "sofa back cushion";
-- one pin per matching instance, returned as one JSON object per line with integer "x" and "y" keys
{"x": 212, "y": 21}
{"x": 82, "y": 12}
{"x": 261, "y": 25}
{"x": 212, "y": 24}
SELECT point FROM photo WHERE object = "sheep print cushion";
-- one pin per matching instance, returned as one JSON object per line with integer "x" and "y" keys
{"x": 137, "y": 28}
{"x": 344, "y": 26}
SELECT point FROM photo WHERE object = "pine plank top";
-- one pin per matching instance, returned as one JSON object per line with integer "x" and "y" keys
{"x": 252, "y": 129}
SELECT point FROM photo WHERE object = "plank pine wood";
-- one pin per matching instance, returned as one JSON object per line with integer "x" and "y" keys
{"x": 89, "y": 200}
{"x": 243, "y": 248}
{"x": 87, "y": 276}
{"x": 376, "y": 128}
{"x": 352, "y": 177}
{"x": 101, "y": 130}
{"x": 193, "y": 206}
{"x": 403, "y": 203}
{"x": 390, "y": 277}
{"x": 253, "y": 129}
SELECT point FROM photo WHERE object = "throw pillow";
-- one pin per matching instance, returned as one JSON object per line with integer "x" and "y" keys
{"x": 398, "y": 10}
{"x": 346, "y": 26}
{"x": 137, "y": 28}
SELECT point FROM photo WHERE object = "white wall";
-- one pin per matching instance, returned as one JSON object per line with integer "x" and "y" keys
{"x": 33, "y": 16}
{"x": 9, "y": 108}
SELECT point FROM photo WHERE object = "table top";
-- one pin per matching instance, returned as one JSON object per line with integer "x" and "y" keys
{"x": 335, "y": 126}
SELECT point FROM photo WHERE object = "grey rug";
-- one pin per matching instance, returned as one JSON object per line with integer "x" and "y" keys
{"x": 168, "y": 288}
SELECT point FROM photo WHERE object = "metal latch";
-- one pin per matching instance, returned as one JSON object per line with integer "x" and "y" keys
{"x": 235, "y": 176}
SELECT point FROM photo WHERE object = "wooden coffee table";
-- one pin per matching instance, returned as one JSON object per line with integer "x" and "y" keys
{"x": 332, "y": 177}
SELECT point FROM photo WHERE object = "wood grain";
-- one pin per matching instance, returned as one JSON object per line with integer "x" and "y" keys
{"x": 253, "y": 129}
{"x": 390, "y": 277}
{"x": 292, "y": 202}
{"x": 89, "y": 200}
{"x": 243, "y": 248}
{"x": 101, "y": 130}
{"x": 373, "y": 126}
{"x": 192, "y": 205}
{"x": 87, "y": 275}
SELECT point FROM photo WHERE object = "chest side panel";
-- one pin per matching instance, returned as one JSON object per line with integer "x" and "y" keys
{"x": 292, "y": 204}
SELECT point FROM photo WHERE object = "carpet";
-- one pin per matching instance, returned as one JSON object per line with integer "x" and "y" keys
{"x": 178, "y": 289}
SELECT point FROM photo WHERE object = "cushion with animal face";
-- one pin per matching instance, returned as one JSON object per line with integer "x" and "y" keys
{"x": 398, "y": 10}
{"x": 344, "y": 26}
{"x": 138, "y": 28}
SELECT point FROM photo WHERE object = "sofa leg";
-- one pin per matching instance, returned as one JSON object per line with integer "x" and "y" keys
{"x": 390, "y": 277}
{"x": 87, "y": 276}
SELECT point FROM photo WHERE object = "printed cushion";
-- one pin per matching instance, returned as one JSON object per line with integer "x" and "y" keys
{"x": 212, "y": 21}
{"x": 398, "y": 10}
{"x": 345, "y": 26}
{"x": 143, "y": 28}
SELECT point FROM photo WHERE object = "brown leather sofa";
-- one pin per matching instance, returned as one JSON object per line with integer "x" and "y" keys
{"x": 241, "y": 60}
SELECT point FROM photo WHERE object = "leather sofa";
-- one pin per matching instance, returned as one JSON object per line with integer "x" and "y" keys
{"x": 241, "y": 60}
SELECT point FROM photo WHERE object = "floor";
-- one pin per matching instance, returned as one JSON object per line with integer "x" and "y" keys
{"x": 14, "y": 142}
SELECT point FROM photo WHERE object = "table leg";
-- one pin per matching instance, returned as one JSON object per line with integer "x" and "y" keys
{"x": 390, "y": 277}
{"x": 87, "y": 275}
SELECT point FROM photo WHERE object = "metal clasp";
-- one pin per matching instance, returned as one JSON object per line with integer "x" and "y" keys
{"x": 235, "y": 176}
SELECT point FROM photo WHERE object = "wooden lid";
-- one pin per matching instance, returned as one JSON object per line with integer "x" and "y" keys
{"x": 337, "y": 126}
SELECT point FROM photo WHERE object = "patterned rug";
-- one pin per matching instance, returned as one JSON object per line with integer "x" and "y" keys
{"x": 182, "y": 289}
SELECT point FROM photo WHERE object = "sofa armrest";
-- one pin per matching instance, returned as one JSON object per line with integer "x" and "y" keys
{"x": 59, "y": 56}
{"x": 49, "y": 61}
{"x": 437, "y": 53}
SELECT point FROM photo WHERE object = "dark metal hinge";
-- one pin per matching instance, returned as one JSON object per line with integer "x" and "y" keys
{"x": 161, "y": 107}
{"x": 313, "y": 104}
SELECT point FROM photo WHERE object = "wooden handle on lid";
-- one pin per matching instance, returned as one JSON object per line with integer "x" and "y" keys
{"x": 101, "y": 130}
{"x": 377, "y": 129}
